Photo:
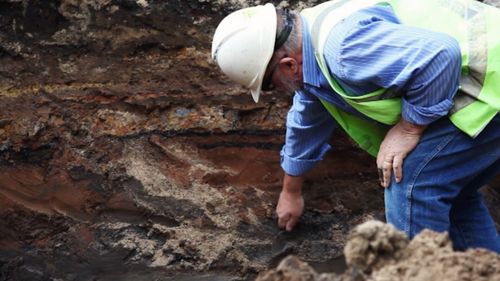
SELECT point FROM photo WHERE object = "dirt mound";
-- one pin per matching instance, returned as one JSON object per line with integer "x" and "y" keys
{"x": 377, "y": 251}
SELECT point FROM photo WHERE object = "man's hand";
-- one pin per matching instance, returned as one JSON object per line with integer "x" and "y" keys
{"x": 397, "y": 144}
{"x": 291, "y": 203}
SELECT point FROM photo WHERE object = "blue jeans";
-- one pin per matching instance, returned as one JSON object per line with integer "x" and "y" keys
{"x": 439, "y": 189}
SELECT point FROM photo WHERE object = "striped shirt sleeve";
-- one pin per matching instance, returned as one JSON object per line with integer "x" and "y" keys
{"x": 308, "y": 128}
{"x": 372, "y": 50}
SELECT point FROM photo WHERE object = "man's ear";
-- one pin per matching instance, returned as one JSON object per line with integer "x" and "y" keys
{"x": 289, "y": 65}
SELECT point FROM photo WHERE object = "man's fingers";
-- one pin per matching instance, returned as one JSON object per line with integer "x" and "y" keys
{"x": 387, "y": 170}
{"x": 283, "y": 220}
{"x": 380, "y": 176}
{"x": 397, "y": 166}
{"x": 380, "y": 170}
{"x": 380, "y": 159}
{"x": 291, "y": 223}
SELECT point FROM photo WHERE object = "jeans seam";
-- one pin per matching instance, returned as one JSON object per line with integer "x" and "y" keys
{"x": 409, "y": 194}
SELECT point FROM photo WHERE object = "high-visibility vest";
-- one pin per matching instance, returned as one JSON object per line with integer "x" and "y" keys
{"x": 473, "y": 24}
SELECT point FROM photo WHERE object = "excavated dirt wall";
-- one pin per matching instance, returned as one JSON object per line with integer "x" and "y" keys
{"x": 126, "y": 155}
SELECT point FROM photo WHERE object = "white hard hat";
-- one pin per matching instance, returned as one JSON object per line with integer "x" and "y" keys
{"x": 243, "y": 45}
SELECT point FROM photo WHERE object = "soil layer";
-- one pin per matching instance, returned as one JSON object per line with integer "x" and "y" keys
{"x": 126, "y": 155}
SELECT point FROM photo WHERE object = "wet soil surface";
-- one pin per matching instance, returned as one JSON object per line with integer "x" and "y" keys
{"x": 376, "y": 251}
{"x": 126, "y": 155}
{"x": 166, "y": 207}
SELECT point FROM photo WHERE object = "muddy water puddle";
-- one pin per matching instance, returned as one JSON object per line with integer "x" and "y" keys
{"x": 110, "y": 265}
{"x": 335, "y": 265}
{"x": 34, "y": 268}
{"x": 144, "y": 276}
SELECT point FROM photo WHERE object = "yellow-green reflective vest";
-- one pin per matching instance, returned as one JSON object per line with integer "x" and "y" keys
{"x": 473, "y": 24}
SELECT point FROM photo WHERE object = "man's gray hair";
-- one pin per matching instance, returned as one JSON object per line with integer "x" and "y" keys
{"x": 293, "y": 41}
{"x": 291, "y": 46}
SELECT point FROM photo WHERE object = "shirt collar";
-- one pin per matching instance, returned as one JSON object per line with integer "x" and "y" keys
{"x": 310, "y": 67}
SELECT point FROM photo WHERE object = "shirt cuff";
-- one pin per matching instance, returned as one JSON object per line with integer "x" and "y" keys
{"x": 296, "y": 167}
{"x": 421, "y": 115}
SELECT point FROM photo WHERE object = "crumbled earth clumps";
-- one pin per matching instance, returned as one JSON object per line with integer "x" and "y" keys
{"x": 378, "y": 252}
{"x": 126, "y": 154}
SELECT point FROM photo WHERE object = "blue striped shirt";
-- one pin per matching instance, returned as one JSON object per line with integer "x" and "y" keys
{"x": 369, "y": 50}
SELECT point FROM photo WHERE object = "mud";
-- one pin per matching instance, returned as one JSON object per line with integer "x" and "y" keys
{"x": 125, "y": 154}
{"x": 166, "y": 207}
{"x": 377, "y": 251}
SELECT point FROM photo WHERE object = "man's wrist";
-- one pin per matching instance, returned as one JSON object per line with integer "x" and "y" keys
{"x": 292, "y": 184}
{"x": 411, "y": 128}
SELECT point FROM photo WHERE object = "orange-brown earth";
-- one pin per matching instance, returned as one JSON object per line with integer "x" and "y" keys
{"x": 125, "y": 154}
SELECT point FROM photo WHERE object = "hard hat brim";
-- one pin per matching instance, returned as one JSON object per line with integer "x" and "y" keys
{"x": 255, "y": 94}
{"x": 268, "y": 29}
